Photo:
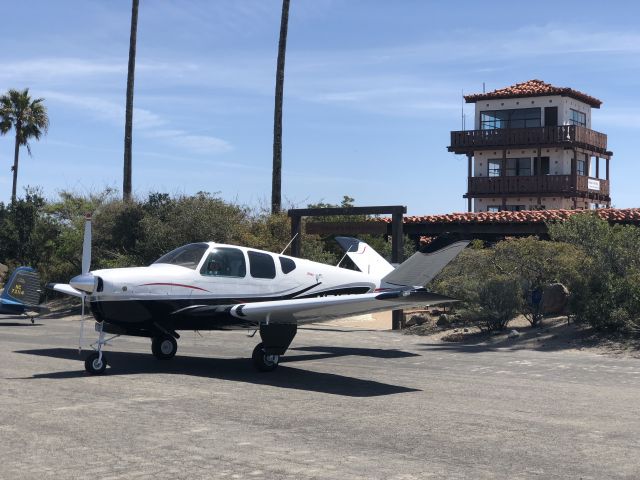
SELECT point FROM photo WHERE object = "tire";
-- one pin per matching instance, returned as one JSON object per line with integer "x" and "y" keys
{"x": 262, "y": 361}
{"x": 164, "y": 347}
{"x": 92, "y": 366}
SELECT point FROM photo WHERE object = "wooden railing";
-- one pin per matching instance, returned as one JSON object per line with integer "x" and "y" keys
{"x": 563, "y": 135}
{"x": 534, "y": 185}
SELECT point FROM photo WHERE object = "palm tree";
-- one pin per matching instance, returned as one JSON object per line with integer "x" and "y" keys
{"x": 128, "y": 124}
{"x": 276, "y": 178}
{"x": 28, "y": 118}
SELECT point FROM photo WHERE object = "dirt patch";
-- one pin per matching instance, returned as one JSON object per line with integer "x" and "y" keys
{"x": 552, "y": 334}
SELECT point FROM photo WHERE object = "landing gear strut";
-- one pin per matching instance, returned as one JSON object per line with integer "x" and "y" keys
{"x": 276, "y": 338}
{"x": 164, "y": 347}
{"x": 96, "y": 363}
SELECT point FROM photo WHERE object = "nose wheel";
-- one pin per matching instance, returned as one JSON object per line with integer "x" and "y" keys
{"x": 95, "y": 364}
{"x": 263, "y": 361}
{"x": 164, "y": 347}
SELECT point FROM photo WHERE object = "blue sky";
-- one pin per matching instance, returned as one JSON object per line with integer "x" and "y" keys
{"x": 372, "y": 90}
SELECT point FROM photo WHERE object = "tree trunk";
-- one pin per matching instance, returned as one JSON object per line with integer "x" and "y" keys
{"x": 128, "y": 126}
{"x": 15, "y": 164}
{"x": 276, "y": 181}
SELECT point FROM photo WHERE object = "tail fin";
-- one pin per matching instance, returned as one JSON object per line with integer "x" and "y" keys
{"x": 365, "y": 258}
{"x": 23, "y": 288}
{"x": 421, "y": 268}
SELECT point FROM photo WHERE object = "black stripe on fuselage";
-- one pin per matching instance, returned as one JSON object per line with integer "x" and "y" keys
{"x": 139, "y": 315}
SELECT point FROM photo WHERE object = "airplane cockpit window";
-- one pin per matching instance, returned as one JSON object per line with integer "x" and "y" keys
{"x": 188, "y": 256}
{"x": 224, "y": 262}
{"x": 261, "y": 265}
{"x": 287, "y": 265}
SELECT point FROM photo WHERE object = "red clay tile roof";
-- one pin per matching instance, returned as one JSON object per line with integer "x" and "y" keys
{"x": 534, "y": 88}
{"x": 526, "y": 216}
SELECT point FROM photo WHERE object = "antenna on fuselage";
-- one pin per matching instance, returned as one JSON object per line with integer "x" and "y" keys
{"x": 289, "y": 244}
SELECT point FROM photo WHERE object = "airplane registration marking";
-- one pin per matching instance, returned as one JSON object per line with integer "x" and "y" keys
{"x": 173, "y": 285}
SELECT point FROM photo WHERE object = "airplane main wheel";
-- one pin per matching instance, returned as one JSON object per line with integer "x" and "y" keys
{"x": 93, "y": 365}
{"x": 164, "y": 347}
{"x": 262, "y": 361}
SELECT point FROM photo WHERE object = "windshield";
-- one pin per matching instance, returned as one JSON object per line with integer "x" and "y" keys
{"x": 188, "y": 256}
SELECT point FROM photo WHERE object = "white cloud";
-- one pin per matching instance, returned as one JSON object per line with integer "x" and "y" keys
{"x": 198, "y": 144}
{"x": 145, "y": 122}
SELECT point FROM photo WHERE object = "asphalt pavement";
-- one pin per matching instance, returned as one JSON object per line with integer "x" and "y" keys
{"x": 344, "y": 404}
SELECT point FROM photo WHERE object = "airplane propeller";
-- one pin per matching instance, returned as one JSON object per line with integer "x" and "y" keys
{"x": 85, "y": 282}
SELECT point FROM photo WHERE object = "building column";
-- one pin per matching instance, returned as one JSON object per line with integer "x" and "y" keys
{"x": 598, "y": 167}
{"x": 503, "y": 174}
{"x": 607, "y": 167}
{"x": 469, "y": 175}
{"x": 574, "y": 177}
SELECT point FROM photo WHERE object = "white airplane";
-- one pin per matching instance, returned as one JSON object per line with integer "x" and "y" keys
{"x": 212, "y": 286}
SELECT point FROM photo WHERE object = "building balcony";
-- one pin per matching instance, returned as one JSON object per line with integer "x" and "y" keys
{"x": 571, "y": 136}
{"x": 538, "y": 185}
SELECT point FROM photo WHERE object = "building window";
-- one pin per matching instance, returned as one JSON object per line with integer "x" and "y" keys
{"x": 493, "y": 208}
{"x": 577, "y": 118}
{"x": 518, "y": 167}
{"x": 514, "y": 118}
{"x": 581, "y": 167}
{"x": 514, "y": 208}
{"x": 544, "y": 166}
{"x": 493, "y": 168}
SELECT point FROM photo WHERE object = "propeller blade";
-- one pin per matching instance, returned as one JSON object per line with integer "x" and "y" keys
{"x": 81, "y": 339}
{"x": 86, "y": 245}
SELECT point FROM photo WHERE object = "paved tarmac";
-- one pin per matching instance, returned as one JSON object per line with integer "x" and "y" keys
{"x": 345, "y": 404}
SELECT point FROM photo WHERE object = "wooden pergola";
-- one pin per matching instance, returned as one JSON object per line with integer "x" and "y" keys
{"x": 397, "y": 234}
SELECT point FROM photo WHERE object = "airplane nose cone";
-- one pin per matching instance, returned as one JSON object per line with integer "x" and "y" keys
{"x": 87, "y": 283}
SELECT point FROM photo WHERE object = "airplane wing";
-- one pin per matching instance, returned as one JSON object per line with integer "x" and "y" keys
{"x": 65, "y": 288}
{"x": 305, "y": 310}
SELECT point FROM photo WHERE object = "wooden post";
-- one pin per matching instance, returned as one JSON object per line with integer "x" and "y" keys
{"x": 598, "y": 167}
{"x": 539, "y": 174}
{"x": 296, "y": 234}
{"x": 397, "y": 239}
{"x": 607, "y": 172}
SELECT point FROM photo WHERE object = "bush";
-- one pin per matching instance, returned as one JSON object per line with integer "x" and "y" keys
{"x": 606, "y": 293}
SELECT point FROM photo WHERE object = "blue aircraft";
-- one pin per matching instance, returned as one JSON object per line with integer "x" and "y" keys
{"x": 21, "y": 294}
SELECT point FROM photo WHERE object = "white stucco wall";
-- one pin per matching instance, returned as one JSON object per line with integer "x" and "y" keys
{"x": 530, "y": 203}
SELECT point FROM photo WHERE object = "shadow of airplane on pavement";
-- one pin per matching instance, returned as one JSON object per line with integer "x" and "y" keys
{"x": 237, "y": 369}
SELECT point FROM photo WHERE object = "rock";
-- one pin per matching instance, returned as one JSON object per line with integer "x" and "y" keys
{"x": 466, "y": 330}
{"x": 415, "y": 320}
{"x": 555, "y": 298}
{"x": 514, "y": 334}
{"x": 443, "y": 320}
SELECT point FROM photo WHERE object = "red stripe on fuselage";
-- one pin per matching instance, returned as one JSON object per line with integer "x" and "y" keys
{"x": 174, "y": 285}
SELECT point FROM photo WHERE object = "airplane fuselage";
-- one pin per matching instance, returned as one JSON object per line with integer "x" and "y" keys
{"x": 147, "y": 298}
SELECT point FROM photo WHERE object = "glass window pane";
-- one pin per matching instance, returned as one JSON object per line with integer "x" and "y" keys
{"x": 261, "y": 265}
{"x": 287, "y": 265}
{"x": 224, "y": 262}
{"x": 188, "y": 256}
{"x": 493, "y": 168}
